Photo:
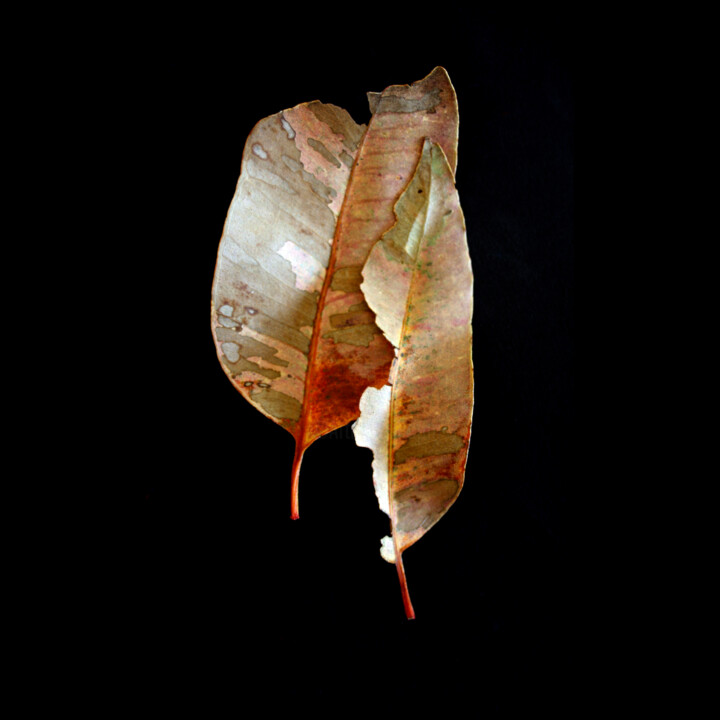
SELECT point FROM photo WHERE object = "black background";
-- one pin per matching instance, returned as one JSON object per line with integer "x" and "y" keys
{"x": 215, "y": 592}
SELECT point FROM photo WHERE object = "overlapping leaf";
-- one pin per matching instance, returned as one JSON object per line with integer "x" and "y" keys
{"x": 418, "y": 281}
{"x": 316, "y": 191}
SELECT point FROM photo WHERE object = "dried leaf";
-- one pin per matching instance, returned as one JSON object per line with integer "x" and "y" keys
{"x": 418, "y": 281}
{"x": 316, "y": 191}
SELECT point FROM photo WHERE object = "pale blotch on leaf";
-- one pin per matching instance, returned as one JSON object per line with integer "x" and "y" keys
{"x": 387, "y": 549}
{"x": 231, "y": 351}
{"x": 259, "y": 151}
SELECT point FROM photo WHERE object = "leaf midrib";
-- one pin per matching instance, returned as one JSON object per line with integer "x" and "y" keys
{"x": 391, "y": 419}
{"x": 317, "y": 324}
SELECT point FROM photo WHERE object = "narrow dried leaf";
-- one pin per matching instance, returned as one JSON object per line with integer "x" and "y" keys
{"x": 418, "y": 281}
{"x": 316, "y": 191}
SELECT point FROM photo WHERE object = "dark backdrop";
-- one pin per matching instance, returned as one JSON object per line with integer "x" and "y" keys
{"x": 217, "y": 592}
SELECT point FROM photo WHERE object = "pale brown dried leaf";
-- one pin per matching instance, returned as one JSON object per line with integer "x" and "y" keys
{"x": 418, "y": 281}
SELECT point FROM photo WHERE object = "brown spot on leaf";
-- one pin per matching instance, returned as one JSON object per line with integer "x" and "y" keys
{"x": 420, "y": 506}
{"x": 428, "y": 443}
{"x": 353, "y": 334}
{"x": 320, "y": 148}
{"x": 362, "y": 317}
{"x": 398, "y": 104}
{"x": 373, "y": 100}
{"x": 347, "y": 279}
{"x": 243, "y": 365}
{"x": 235, "y": 346}
{"x": 277, "y": 404}
{"x": 362, "y": 306}
{"x": 340, "y": 122}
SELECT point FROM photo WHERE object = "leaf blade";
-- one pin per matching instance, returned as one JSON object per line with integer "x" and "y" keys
{"x": 272, "y": 260}
{"x": 428, "y": 320}
{"x": 385, "y": 162}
